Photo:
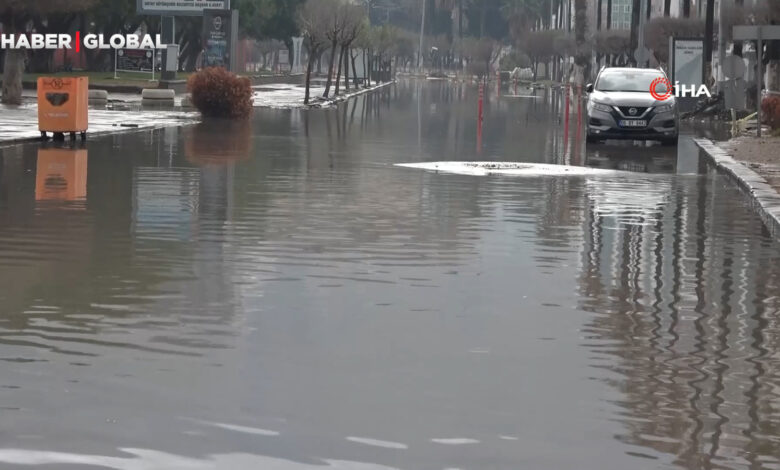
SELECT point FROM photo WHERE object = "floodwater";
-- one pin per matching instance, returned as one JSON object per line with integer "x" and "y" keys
{"x": 279, "y": 295}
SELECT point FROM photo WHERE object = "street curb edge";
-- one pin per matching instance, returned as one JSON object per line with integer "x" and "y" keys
{"x": 765, "y": 200}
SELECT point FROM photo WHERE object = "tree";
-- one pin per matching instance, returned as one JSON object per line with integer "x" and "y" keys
{"x": 384, "y": 41}
{"x": 582, "y": 54}
{"x": 336, "y": 23}
{"x": 481, "y": 52}
{"x": 659, "y": 30}
{"x": 269, "y": 19}
{"x": 313, "y": 21}
{"x": 111, "y": 17}
{"x": 539, "y": 45}
{"x": 15, "y": 15}
{"x": 353, "y": 18}
{"x": 635, "y": 7}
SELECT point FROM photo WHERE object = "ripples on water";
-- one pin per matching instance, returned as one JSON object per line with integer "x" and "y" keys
{"x": 313, "y": 306}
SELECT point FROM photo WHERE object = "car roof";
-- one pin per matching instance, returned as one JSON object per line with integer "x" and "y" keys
{"x": 631, "y": 69}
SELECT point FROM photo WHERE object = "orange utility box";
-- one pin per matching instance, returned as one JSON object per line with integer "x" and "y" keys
{"x": 62, "y": 105}
{"x": 61, "y": 174}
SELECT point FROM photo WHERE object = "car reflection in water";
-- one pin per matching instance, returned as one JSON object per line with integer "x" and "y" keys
{"x": 634, "y": 156}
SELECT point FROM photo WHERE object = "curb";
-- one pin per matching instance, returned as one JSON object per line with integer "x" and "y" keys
{"x": 764, "y": 199}
{"x": 338, "y": 99}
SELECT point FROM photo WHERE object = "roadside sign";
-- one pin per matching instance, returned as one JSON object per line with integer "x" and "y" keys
{"x": 687, "y": 57}
{"x": 134, "y": 60}
{"x": 284, "y": 57}
{"x": 220, "y": 36}
{"x": 179, "y": 7}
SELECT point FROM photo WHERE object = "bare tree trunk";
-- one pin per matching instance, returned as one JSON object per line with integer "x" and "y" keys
{"x": 13, "y": 70}
{"x": 709, "y": 25}
{"x": 309, "y": 66}
{"x": 346, "y": 68}
{"x": 338, "y": 70}
{"x": 667, "y": 7}
{"x": 635, "y": 7}
{"x": 365, "y": 67}
{"x": 354, "y": 71}
{"x": 330, "y": 69}
{"x": 368, "y": 67}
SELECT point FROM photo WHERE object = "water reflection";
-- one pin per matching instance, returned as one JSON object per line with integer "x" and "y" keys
{"x": 289, "y": 297}
{"x": 61, "y": 174}
{"x": 685, "y": 307}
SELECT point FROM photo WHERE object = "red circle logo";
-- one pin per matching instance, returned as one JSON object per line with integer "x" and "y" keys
{"x": 660, "y": 96}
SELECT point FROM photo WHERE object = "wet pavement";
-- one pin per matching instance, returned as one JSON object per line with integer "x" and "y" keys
{"x": 279, "y": 294}
{"x": 21, "y": 122}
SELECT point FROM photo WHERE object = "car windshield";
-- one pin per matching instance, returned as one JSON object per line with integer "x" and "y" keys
{"x": 630, "y": 80}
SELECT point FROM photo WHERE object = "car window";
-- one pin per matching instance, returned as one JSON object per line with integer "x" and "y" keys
{"x": 629, "y": 81}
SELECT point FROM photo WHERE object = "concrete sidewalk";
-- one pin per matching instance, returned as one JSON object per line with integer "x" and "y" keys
{"x": 762, "y": 155}
{"x": 20, "y": 123}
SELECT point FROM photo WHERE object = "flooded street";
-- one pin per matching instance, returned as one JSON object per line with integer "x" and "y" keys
{"x": 278, "y": 294}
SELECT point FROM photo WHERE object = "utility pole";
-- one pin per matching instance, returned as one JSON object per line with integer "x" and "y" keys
{"x": 721, "y": 43}
{"x": 708, "y": 32}
{"x": 460, "y": 35}
{"x": 422, "y": 33}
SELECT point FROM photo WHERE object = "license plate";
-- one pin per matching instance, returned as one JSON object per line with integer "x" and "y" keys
{"x": 633, "y": 123}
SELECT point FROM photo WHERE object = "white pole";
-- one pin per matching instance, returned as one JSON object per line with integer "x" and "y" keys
{"x": 422, "y": 32}
{"x": 719, "y": 77}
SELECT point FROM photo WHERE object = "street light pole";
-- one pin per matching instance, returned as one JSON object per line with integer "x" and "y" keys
{"x": 422, "y": 32}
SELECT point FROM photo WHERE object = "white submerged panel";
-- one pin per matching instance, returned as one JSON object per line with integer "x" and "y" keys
{"x": 509, "y": 168}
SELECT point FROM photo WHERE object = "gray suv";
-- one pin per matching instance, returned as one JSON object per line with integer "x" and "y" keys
{"x": 620, "y": 106}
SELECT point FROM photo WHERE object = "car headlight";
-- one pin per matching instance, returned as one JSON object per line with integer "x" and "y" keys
{"x": 602, "y": 107}
{"x": 664, "y": 108}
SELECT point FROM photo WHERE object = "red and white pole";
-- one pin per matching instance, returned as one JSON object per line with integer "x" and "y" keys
{"x": 479, "y": 117}
{"x": 566, "y": 120}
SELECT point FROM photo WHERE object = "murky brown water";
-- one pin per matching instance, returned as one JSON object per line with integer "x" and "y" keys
{"x": 279, "y": 295}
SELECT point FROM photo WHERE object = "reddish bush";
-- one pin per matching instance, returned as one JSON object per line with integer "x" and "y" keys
{"x": 219, "y": 93}
{"x": 770, "y": 111}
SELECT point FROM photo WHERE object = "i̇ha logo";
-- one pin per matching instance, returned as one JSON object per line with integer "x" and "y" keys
{"x": 678, "y": 90}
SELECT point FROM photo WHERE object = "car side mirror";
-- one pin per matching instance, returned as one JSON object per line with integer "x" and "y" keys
{"x": 589, "y": 88}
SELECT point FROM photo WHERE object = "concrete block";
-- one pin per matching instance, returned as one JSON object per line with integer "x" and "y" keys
{"x": 98, "y": 95}
{"x": 157, "y": 94}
